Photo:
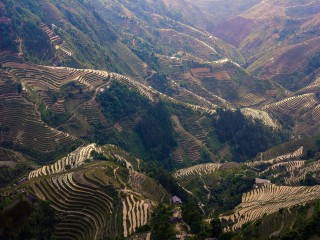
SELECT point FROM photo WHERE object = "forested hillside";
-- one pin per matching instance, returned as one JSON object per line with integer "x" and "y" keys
{"x": 159, "y": 119}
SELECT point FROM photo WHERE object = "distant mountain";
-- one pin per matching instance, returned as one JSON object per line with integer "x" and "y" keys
{"x": 109, "y": 108}
{"x": 278, "y": 40}
{"x": 220, "y": 11}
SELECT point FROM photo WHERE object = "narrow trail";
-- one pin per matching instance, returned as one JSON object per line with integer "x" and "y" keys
{"x": 206, "y": 187}
{"x": 148, "y": 236}
{"x": 120, "y": 180}
{"x": 150, "y": 76}
{"x": 115, "y": 173}
{"x": 186, "y": 190}
{"x": 92, "y": 99}
{"x": 20, "y": 49}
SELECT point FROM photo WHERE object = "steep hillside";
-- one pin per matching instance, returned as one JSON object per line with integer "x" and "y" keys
{"x": 147, "y": 29}
{"x": 299, "y": 112}
{"x": 218, "y": 11}
{"x": 73, "y": 104}
{"x": 99, "y": 199}
{"x": 90, "y": 105}
{"x": 300, "y": 222}
{"x": 176, "y": 9}
{"x": 267, "y": 200}
{"x": 81, "y": 34}
{"x": 65, "y": 33}
{"x": 282, "y": 174}
{"x": 221, "y": 82}
{"x": 109, "y": 108}
{"x": 292, "y": 163}
{"x": 22, "y": 124}
{"x": 13, "y": 167}
{"x": 272, "y": 36}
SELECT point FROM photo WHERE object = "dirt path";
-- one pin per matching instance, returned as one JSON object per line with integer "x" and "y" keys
{"x": 124, "y": 214}
{"x": 150, "y": 76}
{"x": 206, "y": 187}
{"x": 148, "y": 236}
{"x": 115, "y": 172}
{"x": 73, "y": 113}
{"x": 20, "y": 49}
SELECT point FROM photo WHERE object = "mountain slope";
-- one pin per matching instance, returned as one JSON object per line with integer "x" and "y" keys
{"x": 271, "y": 36}
{"x": 99, "y": 199}
{"x": 90, "y": 88}
{"x": 67, "y": 34}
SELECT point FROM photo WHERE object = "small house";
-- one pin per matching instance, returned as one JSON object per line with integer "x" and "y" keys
{"x": 176, "y": 220}
{"x": 176, "y": 200}
{"x": 259, "y": 182}
{"x": 262, "y": 181}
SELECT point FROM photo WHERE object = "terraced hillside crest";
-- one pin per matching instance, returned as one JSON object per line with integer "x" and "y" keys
{"x": 106, "y": 106}
{"x": 268, "y": 199}
{"x": 69, "y": 95}
{"x": 73, "y": 160}
{"x": 99, "y": 198}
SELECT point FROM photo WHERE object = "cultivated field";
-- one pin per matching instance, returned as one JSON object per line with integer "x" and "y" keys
{"x": 267, "y": 200}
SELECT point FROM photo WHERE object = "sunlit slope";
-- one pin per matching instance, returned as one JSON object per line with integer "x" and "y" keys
{"x": 99, "y": 199}
{"x": 278, "y": 39}
{"x": 64, "y": 101}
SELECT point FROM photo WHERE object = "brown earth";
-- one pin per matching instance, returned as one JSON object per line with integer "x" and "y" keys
{"x": 235, "y": 30}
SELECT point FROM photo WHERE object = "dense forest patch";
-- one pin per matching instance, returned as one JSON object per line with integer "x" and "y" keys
{"x": 246, "y": 137}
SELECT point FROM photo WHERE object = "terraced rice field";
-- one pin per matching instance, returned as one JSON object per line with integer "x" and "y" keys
{"x": 135, "y": 213}
{"x": 250, "y": 99}
{"x": 60, "y": 45}
{"x": 292, "y": 105}
{"x": 200, "y": 49}
{"x": 289, "y": 166}
{"x": 43, "y": 77}
{"x": 197, "y": 170}
{"x": 300, "y": 174}
{"x": 146, "y": 186}
{"x": 196, "y": 128}
{"x": 89, "y": 212}
{"x": 24, "y": 124}
{"x": 190, "y": 145}
{"x": 177, "y": 155}
{"x": 7, "y": 57}
{"x": 136, "y": 180}
{"x": 186, "y": 96}
{"x": 100, "y": 199}
{"x": 90, "y": 112}
{"x": 141, "y": 88}
{"x": 72, "y": 160}
{"x": 260, "y": 115}
{"x": 199, "y": 95}
{"x": 295, "y": 154}
{"x": 154, "y": 95}
{"x": 316, "y": 114}
{"x": 205, "y": 37}
{"x": 267, "y": 200}
{"x": 293, "y": 172}
{"x": 58, "y": 106}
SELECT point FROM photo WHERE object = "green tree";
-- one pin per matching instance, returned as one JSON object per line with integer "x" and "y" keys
{"x": 247, "y": 137}
{"x": 156, "y": 132}
{"x": 19, "y": 88}
{"x": 216, "y": 227}
{"x": 161, "y": 227}
{"x": 292, "y": 235}
{"x": 41, "y": 224}
{"x": 192, "y": 215}
{"x": 118, "y": 102}
{"x": 309, "y": 180}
